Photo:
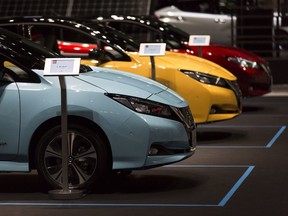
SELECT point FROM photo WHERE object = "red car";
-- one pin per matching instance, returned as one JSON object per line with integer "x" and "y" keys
{"x": 252, "y": 72}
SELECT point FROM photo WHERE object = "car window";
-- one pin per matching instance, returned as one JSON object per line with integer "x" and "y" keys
{"x": 45, "y": 36}
{"x": 13, "y": 73}
{"x": 70, "y": 42}
{"x": 206, "y": 6}
{"x": 144, "y": 34}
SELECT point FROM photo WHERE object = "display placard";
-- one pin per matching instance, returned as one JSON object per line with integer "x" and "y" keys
{"x": 152, "y": 49}
{"x": 199, "y": 40}
{"x": 62, "y": 66}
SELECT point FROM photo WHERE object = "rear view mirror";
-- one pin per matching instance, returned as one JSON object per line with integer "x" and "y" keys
{"x": 1, "y": 70}
{"x": 96, "y": 54}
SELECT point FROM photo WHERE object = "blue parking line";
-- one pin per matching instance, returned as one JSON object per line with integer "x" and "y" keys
{"x": 237, "y": 126}
{"x": 222, "y": 203}
{"x": 236, "y": 186}
{"x": 269, "y": 145}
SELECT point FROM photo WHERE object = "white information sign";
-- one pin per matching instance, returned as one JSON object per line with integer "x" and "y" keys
{"x": 62, "y": 66}
{"x": 199, "y": 40}
{"x": 152, "y": 49}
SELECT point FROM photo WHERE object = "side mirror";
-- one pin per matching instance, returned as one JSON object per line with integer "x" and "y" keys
{"x": 96, "y": 54}
{"x": 1, "y": 72}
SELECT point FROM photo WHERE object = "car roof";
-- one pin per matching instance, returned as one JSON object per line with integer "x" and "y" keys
{"x": 146, "y": 20}
{"x": 166, "y": 30}
{"x": 98, "y": 30}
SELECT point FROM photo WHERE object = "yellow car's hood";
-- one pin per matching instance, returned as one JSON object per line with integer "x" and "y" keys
{"x": 186, "y": 62}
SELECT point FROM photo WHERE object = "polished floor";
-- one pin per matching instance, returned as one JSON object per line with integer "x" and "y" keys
{"x": 239, "y": 168}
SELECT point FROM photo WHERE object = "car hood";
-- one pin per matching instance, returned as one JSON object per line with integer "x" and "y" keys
{"x": 189, "y": 62}
{"x": 124, "y": 83}
{"x": 215, "y": 49}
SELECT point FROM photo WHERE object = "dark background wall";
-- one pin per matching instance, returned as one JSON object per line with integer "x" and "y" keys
{"x": 72, "y": 7}
{"x": 86, "y": 8}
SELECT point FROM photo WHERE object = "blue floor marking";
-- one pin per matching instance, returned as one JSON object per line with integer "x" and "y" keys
{"x": 222, "y": 203}
{"x": 236, "y": 186}
{"x": 269, "y": 145}
{"x": 276, "y": 136}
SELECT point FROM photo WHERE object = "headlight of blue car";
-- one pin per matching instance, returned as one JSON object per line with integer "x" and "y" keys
{"x": 144, "y": 106}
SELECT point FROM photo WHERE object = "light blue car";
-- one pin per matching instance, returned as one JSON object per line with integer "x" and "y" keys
{"x": 116, "y": 121}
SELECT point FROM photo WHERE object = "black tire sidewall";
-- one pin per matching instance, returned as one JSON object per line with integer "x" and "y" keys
{"x": 102, "y": 167}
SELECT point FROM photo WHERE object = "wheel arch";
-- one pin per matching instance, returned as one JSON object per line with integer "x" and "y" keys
{"x": 57, "y": 121}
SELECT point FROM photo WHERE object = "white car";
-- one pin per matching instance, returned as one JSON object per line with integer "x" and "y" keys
{"x": 218, "y": 26}
{"x": 215, "y": 18}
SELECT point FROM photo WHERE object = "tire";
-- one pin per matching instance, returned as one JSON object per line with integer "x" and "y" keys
{"x": 88, "y": 160}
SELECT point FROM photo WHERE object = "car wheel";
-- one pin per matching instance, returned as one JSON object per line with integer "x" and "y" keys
{"x": 88, "y": 160}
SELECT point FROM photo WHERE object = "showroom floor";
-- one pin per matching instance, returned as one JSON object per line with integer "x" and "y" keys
{"x": 239, "y": 168}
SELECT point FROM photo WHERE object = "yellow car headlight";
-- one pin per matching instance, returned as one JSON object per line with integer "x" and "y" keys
{"x": 206, "y": 78}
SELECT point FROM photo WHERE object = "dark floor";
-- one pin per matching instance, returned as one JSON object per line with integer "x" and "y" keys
{"x": 278, "y": 68}
{"x": 239, "y": 168}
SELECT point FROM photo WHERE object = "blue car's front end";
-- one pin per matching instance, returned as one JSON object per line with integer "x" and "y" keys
{"x": 147, "y": 125}
{"x": 116, "y": 120}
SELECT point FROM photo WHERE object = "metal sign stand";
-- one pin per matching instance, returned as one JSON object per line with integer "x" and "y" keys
{"x": 151, "y": 50}
{"x": 65, "y": 193}
{"x": 153, "y": 72}
{"x": 62, "y": 67}
{"x": 199, "y": 41}
{"x": 200, "y": 51}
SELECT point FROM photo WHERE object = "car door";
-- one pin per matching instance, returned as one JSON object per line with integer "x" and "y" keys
{"x": 9, "y": 116}
{"x": 198, "y": 17}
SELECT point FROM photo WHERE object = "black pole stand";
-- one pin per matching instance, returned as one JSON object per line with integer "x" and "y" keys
{"x": 153, "y": 73}
{"x": 200, "y": 51}
{"x": 65, "y": 193}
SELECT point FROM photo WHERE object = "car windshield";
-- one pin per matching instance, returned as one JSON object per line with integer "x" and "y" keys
{"x": 144, "y": 29}
{"x": 174, "y": 33}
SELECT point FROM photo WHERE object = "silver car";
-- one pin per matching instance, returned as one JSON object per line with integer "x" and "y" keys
{"x": 198, "y": 21}
{"x": 219, "y": 20}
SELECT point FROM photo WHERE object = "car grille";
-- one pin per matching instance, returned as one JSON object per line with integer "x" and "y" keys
{"x": 266, "y": 68}
{"x": 187, "y": 119}
{"x": 235, "y": 88}
{"x": 185, "y": 116}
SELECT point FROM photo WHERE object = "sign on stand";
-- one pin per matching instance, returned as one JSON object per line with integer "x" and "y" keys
{"x": 199, "y": 40}
{"x": 62, "y": 67}
{"x": 152, "y": 49}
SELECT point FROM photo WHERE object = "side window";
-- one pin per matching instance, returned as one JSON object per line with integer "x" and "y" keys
{"x": 73, "y": 43}
{"x": 45, "y": 36}
{"x": 202, "y": 6}
{"x": 12, "y": 73}
{"x": 14, "y": 28}
{"x": 71, "y": 35}
{"x": 206, "y": 6}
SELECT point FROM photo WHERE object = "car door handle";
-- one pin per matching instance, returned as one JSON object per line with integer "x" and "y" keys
{"x": 175, "y": 18}
{"x": 219, "y": 20}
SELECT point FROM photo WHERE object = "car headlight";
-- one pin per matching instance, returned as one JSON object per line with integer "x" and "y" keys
{"x": 244, "y": 62}
{"x": 206, "y": 78}
{"x": 144, "y": 106}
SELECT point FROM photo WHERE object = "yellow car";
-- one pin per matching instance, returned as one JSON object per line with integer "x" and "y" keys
{"x": 211, "y": 91}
